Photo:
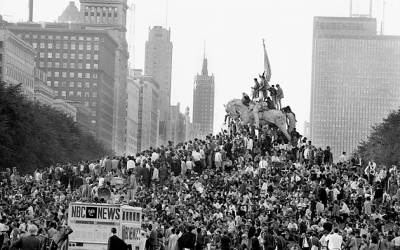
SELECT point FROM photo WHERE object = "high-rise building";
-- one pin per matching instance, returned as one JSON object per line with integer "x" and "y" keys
{"x": 148, "y": 112}
{"x": 80, "y": 67}
{"x": 203, "y": 100}
{"x": 355, "y": 81}
{"x": 192, "y": 130}
{"x": 110, "y": 15}
{"x": 158, "y": 64}
{"x": 176, "y": 130}
{"x": 17, "y": 62}
{"x": 132, "y": 115}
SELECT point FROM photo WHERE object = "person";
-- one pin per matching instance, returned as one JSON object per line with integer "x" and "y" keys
{"x": 334, "y": 240}
{"x": 279, "y": 96}
{"x": 173, "y": 240}
{"x": 187, "y": 240}
{"x": 245, "y": 99}
{"x": 272, "y": 93}
{"x": 353, "y": 242}
{"x": 153, "y": 237}
{"x": 343, "y": 158}
{"x": 256, "y": 89}
{"x": 61, "y": 237}
{"x": 269, "y": 240}
{"x": 225, "y": 241}
{"x": 115, "y": 243}
{"x": 29, "y": 242}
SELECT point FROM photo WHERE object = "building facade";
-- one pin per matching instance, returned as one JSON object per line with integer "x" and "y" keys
{"x": 17, "y": 62}
{"x": 203, "y": 100}
{"x": 65, "y": 107}
{"x": 193, "y": 130}
{"x": 355, "y": 81}
{"x": 43, "y": 93}
{"x": 132, "y": 116}
{"x": 80, "y": 66}
{"x": 110, "y": 15}
{"x": 148, "y": 125}
{"x": 176, "y": 130}
{"x": 158, "y": 64}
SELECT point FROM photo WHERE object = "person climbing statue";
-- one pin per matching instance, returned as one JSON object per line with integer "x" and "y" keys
{"x": 255, "y": 89}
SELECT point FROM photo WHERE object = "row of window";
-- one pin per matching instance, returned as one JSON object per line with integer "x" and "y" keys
{"x": 64, "y": 84}
{"x": 72, "y": 74}
{"x": 71, "y": 65}
{"x": 64, "y": 38}
{"x": 66, "y": 46}
{"x": 57, "y": 55}
{"x": 72, "y": 93}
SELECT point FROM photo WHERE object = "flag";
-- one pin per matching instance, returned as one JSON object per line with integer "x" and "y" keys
{"x": 267, "y": 66}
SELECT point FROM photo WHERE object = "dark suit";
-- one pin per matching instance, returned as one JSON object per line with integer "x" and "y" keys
{"x": 26, "y": 243}
{"x": 115, "y": 243}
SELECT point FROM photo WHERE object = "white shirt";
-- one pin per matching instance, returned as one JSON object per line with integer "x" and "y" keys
{"x": 250, "y": 144}
{"x": 196, "y": 156}
{"x": 218, "y": 156}
{"x": 334, "y": 241}
{"x": 130, "y": 164}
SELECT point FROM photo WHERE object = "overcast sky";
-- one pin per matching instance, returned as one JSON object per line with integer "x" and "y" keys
{"x": 233, "y": 31}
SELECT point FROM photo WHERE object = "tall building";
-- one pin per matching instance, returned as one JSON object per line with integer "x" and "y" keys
{"x": 148, "y": 126}
{"x": 71, "y": 14}
{"x": 80, "y": 66}
{"x": 158, "y": 64}
{"x": 176, "y": 130}
{"x": 203, "y": 100}
{"x": 193, "y": 130}
{"x": 132, "y": 115}
{"x": 110, "y": 15}
{"x": 355, "y": 81}
{"x": 17, "y": 62}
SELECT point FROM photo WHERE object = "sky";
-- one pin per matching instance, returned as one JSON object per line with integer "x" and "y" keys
{"x": 233, "y": 31}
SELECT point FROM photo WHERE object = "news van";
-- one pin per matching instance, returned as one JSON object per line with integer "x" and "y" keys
{"x": 92, "y": 222}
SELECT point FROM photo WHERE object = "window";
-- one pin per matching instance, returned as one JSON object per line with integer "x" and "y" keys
{"x": 71, "y": 93}
{"x": 79, "y": 84}
{"x": 49, "y": 83}
{"x": 58, "y": 45}
{"x": 94, "y": 113}
{"x": 94, "y": 94}
{"x": 49, "y": 64}
{"x": 96, "y": 47}
{"x": 94, "y": 122}
{"x": 88, "y": 47}
{"x": 87, "y": 85}
{"x": 56, "y": 65}
{"x": 49, "y": 55}
{"x": 57, "y": 55}
{"x": 64, "y": 74}
{"x": 80, "y": 56}
{"x": 64, "y": 93}
{"x": 56, "y": 74}
{"x": 71, "y": 74}
{"x": 65, "y": 56}
{"x": 94, "y": 85}
{"x": 64, "y": 84}
{"x": 87, "y": 75}
{"x": 95, "y": 66}
{"x": 78, "y": 94}
{"x": 73, "y": 46}
{"x": 65, "y": 38}
{"x": 42, "y": 45}
{"x": 72, "y": 65}
{"x": 96, "y": 57}
{"x": 72, "y": 56}
{"x": 34, "y": 45}
{"x": 41, "y": 54}
{"x": 79, "y": 75}
{"x": 88, "y": 56}
{"x": 80, "y": 65}
{"x": 41, "y": 64}
{"x": 71, "y": 84}
{"x": 94, "y": 104}
{"x": 65, "y": 65}
{"x": 50, "y": 45}
{"x": 65, "y": 45}
{"x": 87, "y": 94}
{"x": 55, "y": 92}
{"x": 48, "y": 73}
{"x": 87, "y": 104}
{"x": 95, "y": 76}
{"x": 87, "y": 66}
{"x": 80, "y": 46}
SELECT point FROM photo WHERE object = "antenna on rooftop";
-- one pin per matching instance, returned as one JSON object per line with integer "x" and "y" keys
{"x": 383, "y": 18}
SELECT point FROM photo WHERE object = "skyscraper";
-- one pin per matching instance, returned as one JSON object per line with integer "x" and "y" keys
{"x": 110, "y": 15}
{"x": 355, "y": 81}
{"x": 203, "y": 100}
{"x": 158, "y": 64}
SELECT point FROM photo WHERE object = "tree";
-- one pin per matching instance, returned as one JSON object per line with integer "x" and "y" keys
{"x": 383, "y": 145}
{"x": 33, "y": 135}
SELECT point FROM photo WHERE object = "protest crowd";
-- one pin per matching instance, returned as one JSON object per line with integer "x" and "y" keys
{"x": 243, "y": 189}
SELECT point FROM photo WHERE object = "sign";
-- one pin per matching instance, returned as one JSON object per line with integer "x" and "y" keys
{"x": 95, "y": 212}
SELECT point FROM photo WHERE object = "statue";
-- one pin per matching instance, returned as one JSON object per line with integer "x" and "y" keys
{"x": 251, "y": 115}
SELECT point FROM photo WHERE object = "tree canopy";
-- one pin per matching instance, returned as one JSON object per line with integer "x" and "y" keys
{"x": 383, "y": 145}
{"x": 33, "y": 135}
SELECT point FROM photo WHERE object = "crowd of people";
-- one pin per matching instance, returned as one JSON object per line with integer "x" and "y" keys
{"x": 234, "y": 190}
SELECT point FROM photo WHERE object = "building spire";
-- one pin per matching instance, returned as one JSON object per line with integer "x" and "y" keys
{"x": 204, "y": 70}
